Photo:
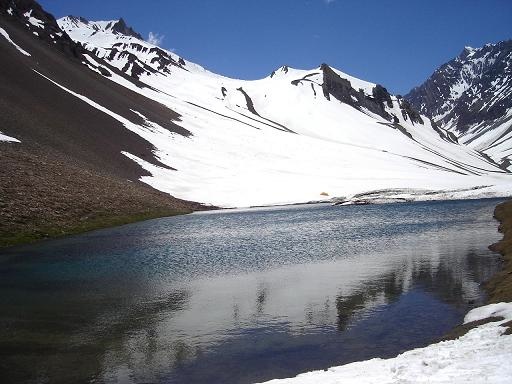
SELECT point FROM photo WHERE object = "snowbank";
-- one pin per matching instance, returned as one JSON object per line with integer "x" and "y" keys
{"x": 483, "y": 355}
{"x": 4, "y": 33}
{"x": 398, "y": 195}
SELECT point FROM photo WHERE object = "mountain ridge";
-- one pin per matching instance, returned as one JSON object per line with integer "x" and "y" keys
{"x": 121, "y": 46}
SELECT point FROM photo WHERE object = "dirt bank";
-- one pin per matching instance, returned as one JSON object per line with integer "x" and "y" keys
{"x": 499, "y": 288}
{"x": 44, "y": 194}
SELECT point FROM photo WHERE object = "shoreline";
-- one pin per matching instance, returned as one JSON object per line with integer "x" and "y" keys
{"x": 103, "y": 221}
{"x": 98, "y": 222}
{"x": 46, "y": 194}
{"x": 499, "y": 287}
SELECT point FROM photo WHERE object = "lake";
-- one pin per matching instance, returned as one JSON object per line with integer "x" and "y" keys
{"x": 242, "y": 296}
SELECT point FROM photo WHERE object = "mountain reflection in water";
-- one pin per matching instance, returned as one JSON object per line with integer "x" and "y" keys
{"x": 242, "y": 296}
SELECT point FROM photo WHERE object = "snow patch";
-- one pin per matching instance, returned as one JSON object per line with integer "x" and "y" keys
{"x": 8, "y": 138}
{"x": 6, "y": 35}
{"x": 32, "y": 20}
{"x": 400, "y": 195}
{"x": 492, "y": 310}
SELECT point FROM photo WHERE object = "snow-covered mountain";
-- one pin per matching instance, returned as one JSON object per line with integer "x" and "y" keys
{"x": 471, "y": 96}
{"x": 294, "y": 136}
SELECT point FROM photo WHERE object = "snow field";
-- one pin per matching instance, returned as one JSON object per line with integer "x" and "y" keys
{"x": 297, "y": 145}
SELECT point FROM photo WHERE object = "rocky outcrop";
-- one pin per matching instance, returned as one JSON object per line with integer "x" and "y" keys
{"x": 248, "y": 101}
{"x": 379, "y": 102}
{"x": 499, "y": 287}
{"x": 341, "y": 89}
{"x": 283, "y": 68}
{"x": 470, "y": 97}
{"x": 122, "y": 28}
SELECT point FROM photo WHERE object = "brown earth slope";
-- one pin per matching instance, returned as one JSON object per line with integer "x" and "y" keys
{"x": 47, "y": 194}
{"x": 500, "y": 286}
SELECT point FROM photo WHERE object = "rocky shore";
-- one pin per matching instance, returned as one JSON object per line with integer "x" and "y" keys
{"x": 499, "y": 288}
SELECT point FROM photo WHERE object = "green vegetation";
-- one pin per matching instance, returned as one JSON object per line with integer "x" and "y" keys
{"x": 99, "y": 221}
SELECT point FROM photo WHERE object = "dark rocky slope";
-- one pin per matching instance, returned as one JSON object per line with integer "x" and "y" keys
{"x": 68, "y": 172}
{"x": 472, "y": 89}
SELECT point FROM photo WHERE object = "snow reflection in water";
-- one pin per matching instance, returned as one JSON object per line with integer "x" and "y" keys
{"x": 242, "y": 296}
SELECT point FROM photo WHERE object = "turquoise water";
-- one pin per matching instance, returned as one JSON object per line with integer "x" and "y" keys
{"x": 241, "y": 296}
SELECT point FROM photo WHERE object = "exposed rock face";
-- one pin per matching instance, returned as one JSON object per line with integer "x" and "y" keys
{"x": 122, "y": 28}
{"x": 472, "y": 89}
{"x": 342, "y": 90}
{"x": 471, "y": 96}
{"x": 408, "y": 112}
{"x": 284, "y": 68}
{"x": 248, "y": 101}
{"x": 334, "y": 85}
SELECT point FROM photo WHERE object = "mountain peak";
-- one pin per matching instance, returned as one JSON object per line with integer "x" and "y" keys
{"x": 117, "y": 27}
{"x": 78, "y": 19}
{"x": 121, "y": 27}
{"x": 74, "y": 20}
{"x": 467, "y": 52}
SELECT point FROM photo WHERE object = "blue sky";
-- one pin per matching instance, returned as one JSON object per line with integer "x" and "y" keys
{"x": 395, "y": 43}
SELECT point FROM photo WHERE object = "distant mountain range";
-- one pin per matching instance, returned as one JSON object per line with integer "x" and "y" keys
{"x": 471, "y": 96}
{"x": 95, "y": 119}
